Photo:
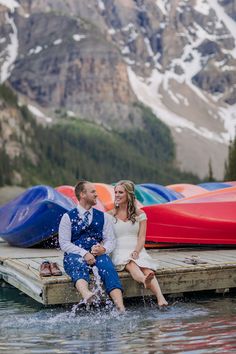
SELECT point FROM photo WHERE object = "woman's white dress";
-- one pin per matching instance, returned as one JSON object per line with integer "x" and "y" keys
{"x": 126, "y": 240}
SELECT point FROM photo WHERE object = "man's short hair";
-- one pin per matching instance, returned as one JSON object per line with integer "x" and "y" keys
{"x": 80, "y": 188}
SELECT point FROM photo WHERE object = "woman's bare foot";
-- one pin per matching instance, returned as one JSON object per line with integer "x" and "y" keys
{"x": 148, "y": 279}
{"x": 162, "y": 302}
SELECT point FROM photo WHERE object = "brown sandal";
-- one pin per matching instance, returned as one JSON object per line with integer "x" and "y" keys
{"x": 55, "y": 270}
{"x": 45, "y": 269}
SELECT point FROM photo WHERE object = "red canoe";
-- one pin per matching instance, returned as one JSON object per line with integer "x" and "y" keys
{"x": 208, "y": 218}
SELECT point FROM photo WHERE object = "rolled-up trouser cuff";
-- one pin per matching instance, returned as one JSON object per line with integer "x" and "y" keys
{"x": 110, "y": 290}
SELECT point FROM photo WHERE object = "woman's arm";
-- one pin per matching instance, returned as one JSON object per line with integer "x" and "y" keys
{"x": 109, "y": 239}
{"x": 141, "y": 235}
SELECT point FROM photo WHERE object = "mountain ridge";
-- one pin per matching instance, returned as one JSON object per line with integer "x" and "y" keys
{"x": 177, "y": 57}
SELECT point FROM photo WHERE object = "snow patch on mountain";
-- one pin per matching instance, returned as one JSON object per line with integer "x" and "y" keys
{"x": 10, "y": 4}
{"x": 78, "y": 37}
{"x": 162, "y": 6}
{"x": 202, "y": 6}
{"x": 36, "y": 50}
{"x": 228, "y": 116}
{"x": 37, "y": 113}
{"x": 10, "y": 52}
{"x": 147, "y": 92}
{"x": 101, "y": 5}
{"x": 229, "y": 23}
{"x": 57, "y": 41}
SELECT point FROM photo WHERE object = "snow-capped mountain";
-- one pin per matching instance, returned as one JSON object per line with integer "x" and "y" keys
{"x": 95, "y": 58}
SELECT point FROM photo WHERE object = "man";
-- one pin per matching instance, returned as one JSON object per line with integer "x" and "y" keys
{"x": 86, "y": 236}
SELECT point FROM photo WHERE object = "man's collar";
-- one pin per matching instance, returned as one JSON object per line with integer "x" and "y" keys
{"x": 81, "y": 209}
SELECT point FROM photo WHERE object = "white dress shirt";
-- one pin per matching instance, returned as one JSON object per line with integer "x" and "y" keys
{"x": 65, "y": 233}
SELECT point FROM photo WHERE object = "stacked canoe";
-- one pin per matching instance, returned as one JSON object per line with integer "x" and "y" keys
{"x": 183, "y": 214}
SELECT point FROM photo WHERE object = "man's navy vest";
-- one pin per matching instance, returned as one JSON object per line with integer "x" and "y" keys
{"x": 86, "y": 237}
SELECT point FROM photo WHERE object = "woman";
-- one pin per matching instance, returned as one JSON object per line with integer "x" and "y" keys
{"x": 130, "y": 229}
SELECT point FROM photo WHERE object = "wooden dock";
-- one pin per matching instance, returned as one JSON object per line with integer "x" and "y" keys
{"x": 215, "y": 269}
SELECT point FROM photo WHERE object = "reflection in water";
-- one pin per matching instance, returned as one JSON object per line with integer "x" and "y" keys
{"x": 204, "y": 325}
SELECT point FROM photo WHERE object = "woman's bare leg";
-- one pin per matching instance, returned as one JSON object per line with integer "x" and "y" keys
{"x": 155, "y": 288}
{"x": 135, "y": 272}
{"x": 147, "y": 277}
{"x": 138, "y": 274}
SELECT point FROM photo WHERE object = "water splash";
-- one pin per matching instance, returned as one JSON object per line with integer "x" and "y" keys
{"x": 200, "y": 326}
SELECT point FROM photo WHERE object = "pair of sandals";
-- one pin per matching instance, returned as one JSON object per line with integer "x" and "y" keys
{"x": 48, "y": 269}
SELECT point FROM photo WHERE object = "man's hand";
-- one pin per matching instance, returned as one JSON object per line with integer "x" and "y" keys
{"x": 98, "y": 250}
{"x": 89, "y": 258}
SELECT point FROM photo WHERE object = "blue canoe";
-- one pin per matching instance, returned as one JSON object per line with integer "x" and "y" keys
{"x": 212, "y": 186}
{"x": 147, "y": 197}
{"x": 163, "y": 192}
{"x": 33, "y": 217}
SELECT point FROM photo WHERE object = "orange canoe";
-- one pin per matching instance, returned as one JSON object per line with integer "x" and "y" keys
{"x": 69, "y": 191}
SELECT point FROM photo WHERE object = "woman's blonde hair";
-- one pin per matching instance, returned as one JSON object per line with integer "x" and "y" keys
{"x": 131, "y": 205}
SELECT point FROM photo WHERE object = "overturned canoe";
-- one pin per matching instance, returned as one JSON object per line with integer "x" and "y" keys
{"x": 165, "y": 193}
{"x": 33, "y": 217}
{"x": 209, "y": 218}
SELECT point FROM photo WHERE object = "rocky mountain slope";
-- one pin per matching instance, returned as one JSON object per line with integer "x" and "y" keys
{"x": 34, "y": 153}
{"x": 96, "y": 58}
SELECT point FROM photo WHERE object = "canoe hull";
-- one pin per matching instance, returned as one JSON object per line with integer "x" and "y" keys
{"x": 33, "y": 217}
{"x": 192, "y": 223}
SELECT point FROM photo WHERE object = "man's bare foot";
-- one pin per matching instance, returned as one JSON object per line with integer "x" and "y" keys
{"x": 121, "y": 309}
{"x": 148, "y": 279}
{"x": 90, "y": 297}
{"x": 119, "y": 306}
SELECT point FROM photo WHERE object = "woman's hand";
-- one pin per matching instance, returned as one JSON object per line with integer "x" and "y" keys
{"x": 135, "y": 255}
{"x": 97, "y": 250}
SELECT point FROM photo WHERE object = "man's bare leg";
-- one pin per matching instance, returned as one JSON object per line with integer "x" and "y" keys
{"x": 82, "y": 287}
{"x": 117, "y": 298}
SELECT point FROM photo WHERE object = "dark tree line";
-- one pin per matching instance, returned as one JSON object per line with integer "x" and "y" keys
{"x": 230, "y": 165}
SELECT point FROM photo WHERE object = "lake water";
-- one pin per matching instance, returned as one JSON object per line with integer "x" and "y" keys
{"x": 203, "y": 324}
